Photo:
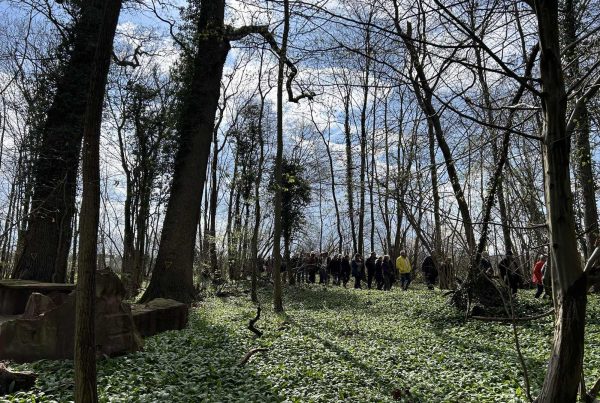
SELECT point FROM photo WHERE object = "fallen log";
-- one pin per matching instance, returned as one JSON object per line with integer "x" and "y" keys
{"x": 11, "y": 382}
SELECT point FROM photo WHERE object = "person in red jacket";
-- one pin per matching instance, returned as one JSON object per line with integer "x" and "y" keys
{"x": 537, "y": 276}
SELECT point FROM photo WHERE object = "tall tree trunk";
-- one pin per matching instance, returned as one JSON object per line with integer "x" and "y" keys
{"x": 141, "y": 223}
{"x": 99, "y": 22}
{"x": 256, "y": 262}
{"x": 10, "y": 218}
{"x": 277, "y": 230}
{"x": 349, "y": 169}
{"x": 372, "y": 176}
{"x": 212, "y": 227}
{"x": 236, "y": 232}
{"x": 569, "y": 286}
{"x": 245, "y": 242}
{"x": 333, "y": 194}
{"x": 48, "y": 237}
{"x": 445, "y": 281}
{"x": 363, "y": 147}
{"x": 399, "y": 196}
{"x": 230, "y": 216}
{"x": 583, "y": 153}
{"x": 172, "y": 276}
{"x": 386, "y": 199}
{"x": 128, "y": 239}
{"x": 74, "y": 250}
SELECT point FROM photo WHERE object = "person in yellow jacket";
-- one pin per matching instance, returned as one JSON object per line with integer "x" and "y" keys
{"x": 403, "y": 266}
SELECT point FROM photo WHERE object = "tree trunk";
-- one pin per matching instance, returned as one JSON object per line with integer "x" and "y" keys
{"x": 372, "y": 176}
{"x": 569, "y": 286}
{"x": 142, "y": 217}
{"x": 437, "y": 223}
{"x": 386, "y": 209}
{"x": 256, "y": 265}
{"x": 128, "y": 239}
{"x": 277, "y": 230}
{"x": 583, "y": 153}
{"x": 10, "y": 217}
{"x": 363, "y": 147}
{"x": 236, "y": 232}
{"x": 335, "y": 201}
{"x": 48, "y": 237}
{"x": 230, "y": 215}
{"x": 74, "y": 251}
{"x": 99, "y": 20}
{"x": 212, "y": 231}
{"x": 172, "y": 276}
{"x": 349, "y": 169}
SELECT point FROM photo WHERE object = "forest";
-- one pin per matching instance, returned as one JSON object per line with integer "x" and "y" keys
{"x": 299, "y": 200}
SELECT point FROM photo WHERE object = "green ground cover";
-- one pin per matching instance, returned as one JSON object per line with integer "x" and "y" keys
{"x": 333, "y": 345}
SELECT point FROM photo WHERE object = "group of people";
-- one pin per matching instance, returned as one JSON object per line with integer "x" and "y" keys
{"x": 376, "y": 271}
{"x": 381, "y": 272}
{"x": 508, "y": 270}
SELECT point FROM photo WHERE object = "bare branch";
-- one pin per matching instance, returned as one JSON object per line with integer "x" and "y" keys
{"x": 250, "y": 353}
{"x": 234, "y": 34}
{"x": 590, "y": 93}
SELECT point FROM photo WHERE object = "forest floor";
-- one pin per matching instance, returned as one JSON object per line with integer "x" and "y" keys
{"x": 333, "y": 344}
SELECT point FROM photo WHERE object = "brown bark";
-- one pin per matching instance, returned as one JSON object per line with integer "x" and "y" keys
{"x": 100, "y": 21}
{"x": 569, "y": 286}
{"x": 172, "y": 276}
{"x": 48, "y": 237}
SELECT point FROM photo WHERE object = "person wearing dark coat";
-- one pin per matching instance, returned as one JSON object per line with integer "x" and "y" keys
{"x": 430, "y": 272}
{"x": 324, "y": 268}
{"x": 311, "y": 266}
{"x": 345, "y": 266}
{"x": 340, "y": 270}
{"x": 484, "y": 264}
{"x": 370, "y": 264}
{"x": 357, "y": 270}
{"x": 379, "y": 273}
{"x": 509, "y": 272}
{"x": 332, "y": 269}
{"x": 387, "y": 271}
